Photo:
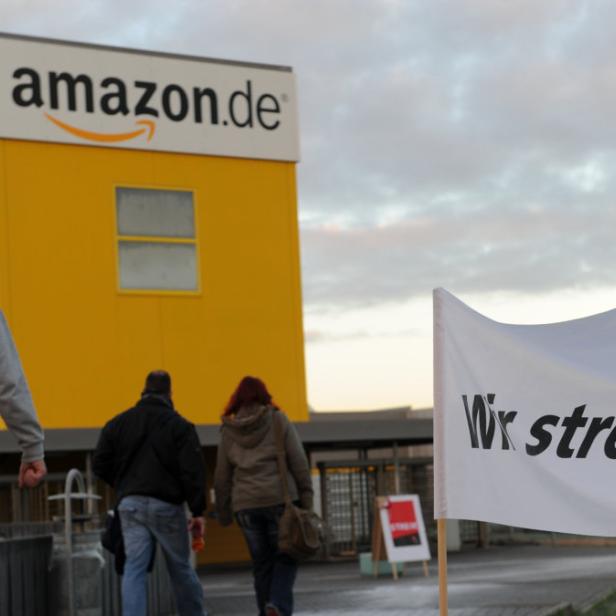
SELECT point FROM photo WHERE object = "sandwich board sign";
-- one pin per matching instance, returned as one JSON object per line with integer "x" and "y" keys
{"x": 399, "y": 525}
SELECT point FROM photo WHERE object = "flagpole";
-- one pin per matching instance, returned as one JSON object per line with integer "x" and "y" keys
{"x": 442, "y": 565}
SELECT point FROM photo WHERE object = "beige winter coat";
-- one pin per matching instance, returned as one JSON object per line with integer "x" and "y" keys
{"x": 247, "y": 475}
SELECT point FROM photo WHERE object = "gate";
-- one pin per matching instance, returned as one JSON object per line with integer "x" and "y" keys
{"x": 348, "y": 489}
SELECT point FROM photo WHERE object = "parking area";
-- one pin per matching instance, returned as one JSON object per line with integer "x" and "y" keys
{"x": 499, "y": 581}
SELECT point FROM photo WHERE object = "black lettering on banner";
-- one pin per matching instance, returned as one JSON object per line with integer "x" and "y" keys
{"x": 142, "y": 107}
{"x": 598, "y": 424}
{"x": 480, "y": 421}
{"x": 55, "y": 79}
{"x": 246, "y": 98}
{"x": 27, "y": 94}
{"x": 571, "y": 424}
{"x": 610, "y": 444}
{"x": 198, "y": 96}
{"x": 504, "y": 419}
{"x": 538, "y": 431}
{"x": 262, "y": 109}
{"x": 182, "y": 98}
{"x": 116, "y": 102}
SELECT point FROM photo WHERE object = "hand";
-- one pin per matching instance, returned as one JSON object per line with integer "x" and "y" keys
{"x": 31, "y": 473}
{"x": 196, "y": 526}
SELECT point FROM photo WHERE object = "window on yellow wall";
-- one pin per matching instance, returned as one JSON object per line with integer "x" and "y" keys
{"x": 157, "y": 243}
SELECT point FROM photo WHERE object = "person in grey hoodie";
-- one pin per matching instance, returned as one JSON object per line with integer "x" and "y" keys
{"x": 17, "y": 411}
{"x": 248, "y": 485}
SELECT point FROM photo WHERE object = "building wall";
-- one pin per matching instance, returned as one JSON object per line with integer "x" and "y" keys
{"x": 86, "y": 346}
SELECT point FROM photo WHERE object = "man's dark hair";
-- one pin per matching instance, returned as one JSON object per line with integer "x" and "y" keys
{"x": 158, "y": 382}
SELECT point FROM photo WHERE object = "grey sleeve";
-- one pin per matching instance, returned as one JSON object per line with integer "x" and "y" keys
{"x": 16, "y": 406}
{"x": 298, "y": 465}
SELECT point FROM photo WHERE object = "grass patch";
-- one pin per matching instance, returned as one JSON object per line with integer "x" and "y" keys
{"x": 607, "y": 607}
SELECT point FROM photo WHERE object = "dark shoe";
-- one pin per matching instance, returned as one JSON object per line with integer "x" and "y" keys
{"x": 272, "y": 610}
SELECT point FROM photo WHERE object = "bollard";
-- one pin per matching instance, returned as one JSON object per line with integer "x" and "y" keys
{"x": 76, "y": 557}
{"x": 87, "y": 560}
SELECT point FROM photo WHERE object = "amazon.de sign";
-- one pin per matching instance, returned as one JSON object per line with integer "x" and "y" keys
{"x": 91, "y": 95}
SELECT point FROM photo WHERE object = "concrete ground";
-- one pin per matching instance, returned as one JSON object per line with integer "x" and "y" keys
{"x": 503, "y": 581}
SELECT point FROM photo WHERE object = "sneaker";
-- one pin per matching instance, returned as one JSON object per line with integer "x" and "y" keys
{"x": 272, "y": 610}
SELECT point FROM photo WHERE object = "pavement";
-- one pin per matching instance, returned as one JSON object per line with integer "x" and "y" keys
{"x": 499, "y": 581}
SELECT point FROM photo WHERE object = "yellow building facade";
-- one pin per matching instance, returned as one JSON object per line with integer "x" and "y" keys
{"x": 123, "y": 250}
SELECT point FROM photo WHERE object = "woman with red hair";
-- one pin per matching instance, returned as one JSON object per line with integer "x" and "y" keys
{"x": 248, "y": 485}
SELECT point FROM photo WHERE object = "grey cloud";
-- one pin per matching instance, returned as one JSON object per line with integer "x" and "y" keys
{"x": 313, "y": 336}
{"x": 138, "y": 23}
{"x": 460, "y": 118}
{"x": 450, "y": 142}
{"x": 488, "y": 251}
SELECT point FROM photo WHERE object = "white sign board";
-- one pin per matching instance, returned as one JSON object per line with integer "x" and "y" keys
{"x": 525, "y": 420}
{"x": 91, "y": 95}
{"x": 404, "y": 530}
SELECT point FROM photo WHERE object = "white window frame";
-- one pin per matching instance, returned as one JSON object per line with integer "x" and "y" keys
{"x": 156, "y": 239}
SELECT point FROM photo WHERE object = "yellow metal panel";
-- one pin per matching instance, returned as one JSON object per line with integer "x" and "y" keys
{"x": 4, "y": 238}
{"x": 86, "y": 346}
{"x": 223, "y": 544}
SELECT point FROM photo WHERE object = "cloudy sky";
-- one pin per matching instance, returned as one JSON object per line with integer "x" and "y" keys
{"x": 467, "y": 144}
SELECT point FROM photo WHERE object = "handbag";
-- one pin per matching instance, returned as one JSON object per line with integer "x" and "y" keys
{"x": 112, "y": 539}
{"x": 299, "y": 530}
{"x": 112, "y": 533}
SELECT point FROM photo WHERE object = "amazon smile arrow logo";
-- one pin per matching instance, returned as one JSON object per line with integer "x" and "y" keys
{"x": 149, "y": 127}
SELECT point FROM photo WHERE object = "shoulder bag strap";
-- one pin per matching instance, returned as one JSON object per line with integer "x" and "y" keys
{"x": 281, "y": 455}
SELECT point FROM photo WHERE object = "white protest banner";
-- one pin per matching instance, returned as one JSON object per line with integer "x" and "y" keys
{"x": 524, "y": 420}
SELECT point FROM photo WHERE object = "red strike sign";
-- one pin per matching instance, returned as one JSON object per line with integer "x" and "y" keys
{"x": 403, "y": 523}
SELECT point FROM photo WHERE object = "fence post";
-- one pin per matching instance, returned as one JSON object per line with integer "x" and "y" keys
{"x": 324, "y": 512}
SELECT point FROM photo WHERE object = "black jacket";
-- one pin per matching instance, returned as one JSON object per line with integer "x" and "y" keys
{"x": 150, "y": 450}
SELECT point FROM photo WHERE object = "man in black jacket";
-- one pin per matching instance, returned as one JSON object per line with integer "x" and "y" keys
{"x": 151, "y": 456}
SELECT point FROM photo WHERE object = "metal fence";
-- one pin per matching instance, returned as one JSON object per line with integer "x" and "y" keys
{"x": 16, "y": 530}
{"x": 17, "y": 506}
{"x": 24, "y": 567}
{"x": 160, "y": 593}
{"x": 348, "y": 491}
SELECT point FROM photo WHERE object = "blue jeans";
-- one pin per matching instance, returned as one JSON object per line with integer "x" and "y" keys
{"x": 146, "y": 521}
{"x": 274, "y": 573}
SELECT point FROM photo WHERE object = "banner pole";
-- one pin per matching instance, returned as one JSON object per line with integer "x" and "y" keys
{"x": 442, "y": 564}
